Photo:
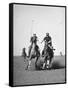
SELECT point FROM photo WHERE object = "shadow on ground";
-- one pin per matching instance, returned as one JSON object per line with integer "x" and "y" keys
{"x": 55, "y": 65}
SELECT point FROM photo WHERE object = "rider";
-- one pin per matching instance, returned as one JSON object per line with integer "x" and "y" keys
{"x": 48, "y": 39}
{"x": 33, "y": 40}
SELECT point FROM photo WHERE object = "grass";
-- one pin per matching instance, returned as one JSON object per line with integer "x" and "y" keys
{"x": 25, "y": 77}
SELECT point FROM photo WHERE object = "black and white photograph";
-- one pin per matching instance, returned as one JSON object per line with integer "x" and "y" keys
{"x": 38, "y": 44}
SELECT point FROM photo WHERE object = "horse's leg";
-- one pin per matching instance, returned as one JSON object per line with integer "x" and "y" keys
{"x": 36, "y": 61}
{"x": 29, "y": 51}
{"x": 51, "y": 57}
{"x": 29, "y": 63}
{"x": 44, "y": 64}
{"x": 48, "y": 64}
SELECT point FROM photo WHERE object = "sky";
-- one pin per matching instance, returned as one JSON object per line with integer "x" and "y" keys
{"x": 30, "y": 19}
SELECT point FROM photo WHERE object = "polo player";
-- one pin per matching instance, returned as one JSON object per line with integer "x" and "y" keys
{"x": 32, "y": 40}
{"x": 48, "y": 39}
{"x": 48, "y": 49}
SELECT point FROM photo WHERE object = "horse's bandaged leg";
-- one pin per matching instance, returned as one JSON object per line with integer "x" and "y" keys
{"x": 29, "y": 63}
{"x": 48, "y": 62}
{"x": 43, "y": 66}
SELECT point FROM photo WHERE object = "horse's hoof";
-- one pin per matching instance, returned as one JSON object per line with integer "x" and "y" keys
{"x": 29, "y": 67}
{"x": 42, "y": 68}
{"x": 48, "y": 68}
{"x": 26, "y": 68}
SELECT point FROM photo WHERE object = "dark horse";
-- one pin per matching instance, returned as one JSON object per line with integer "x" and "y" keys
{"x": 35, "y": 53}
{"x": 48, "y": 54}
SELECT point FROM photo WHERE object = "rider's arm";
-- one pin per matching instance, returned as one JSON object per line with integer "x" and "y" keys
{"x": 50, "y": 41}
{"x": 44, "y": 39}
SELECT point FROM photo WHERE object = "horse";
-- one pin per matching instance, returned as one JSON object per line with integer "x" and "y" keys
{"x": 35, "y": 53}
{"x": 48, "y": 54}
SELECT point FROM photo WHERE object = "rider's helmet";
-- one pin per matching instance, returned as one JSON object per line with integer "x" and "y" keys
{"x": 34, "y": 34}
{"x": 47, "y": 34}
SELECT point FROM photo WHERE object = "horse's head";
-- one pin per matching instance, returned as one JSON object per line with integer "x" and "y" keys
{"x": 35, "y": 50}
{"x": 46, "y": 43}
{"x": 46, "y": 46}
{"x": 33, "y": 46}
